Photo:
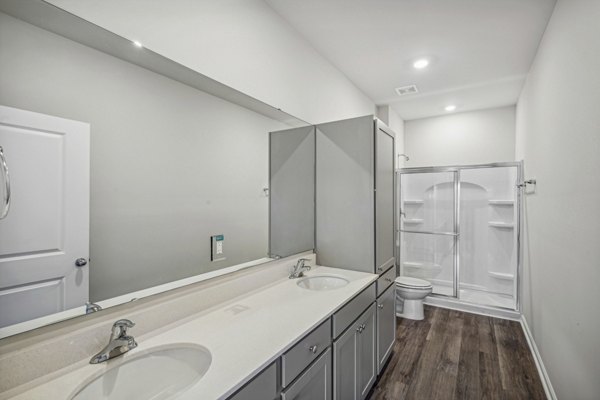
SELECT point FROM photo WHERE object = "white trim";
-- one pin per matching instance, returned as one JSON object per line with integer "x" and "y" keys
{"x": 539, "y": 363}
{"x": 179, "y": 283}
{"x": 454, "y": 304}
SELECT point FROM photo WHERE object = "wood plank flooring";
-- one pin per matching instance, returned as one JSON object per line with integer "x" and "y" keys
{"x": 456, "y": 355}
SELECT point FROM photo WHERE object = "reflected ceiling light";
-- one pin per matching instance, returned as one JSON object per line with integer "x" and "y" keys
{"x": 421, "y": 63}
{"x": 450, "y": 108}
{"x": 137, "y": 44}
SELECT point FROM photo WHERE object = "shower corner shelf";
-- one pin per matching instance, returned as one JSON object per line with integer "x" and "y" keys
{"x": 413, "y": 221}
{"x": 421, "y": 265}
{"x": 501, "y": 202}
{"x": 502, "y": 225}
{"x": 501, "y": 275}
{"x": 413, "y": 201}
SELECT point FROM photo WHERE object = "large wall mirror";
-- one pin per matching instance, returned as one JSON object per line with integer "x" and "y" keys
{"x": 166, "y": 180}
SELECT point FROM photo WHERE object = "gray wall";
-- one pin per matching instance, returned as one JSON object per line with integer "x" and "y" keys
{"x": 475, "y": 137}
{"x": 558, "y": 135}
{"x": 292, "y": 191}
{"x": 345, "y": 202}
{"x": 170, "y": 165}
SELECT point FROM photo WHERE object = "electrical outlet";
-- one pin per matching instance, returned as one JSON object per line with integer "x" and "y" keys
{"x": 217, "y": 250}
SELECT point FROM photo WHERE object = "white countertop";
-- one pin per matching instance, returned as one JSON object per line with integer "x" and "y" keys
{"x": 243, "y": 335}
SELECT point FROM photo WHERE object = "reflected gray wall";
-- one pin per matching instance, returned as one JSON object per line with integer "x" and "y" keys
{"x": 292, "y": 191}
{"x": 345, "y": 198}
{"x": 170, "y": 165}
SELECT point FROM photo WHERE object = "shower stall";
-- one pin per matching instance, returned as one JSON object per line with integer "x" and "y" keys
{"x": 459, "y": 229}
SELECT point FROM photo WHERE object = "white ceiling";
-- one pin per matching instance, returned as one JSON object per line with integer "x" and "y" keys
{"x": 480, "y": 50}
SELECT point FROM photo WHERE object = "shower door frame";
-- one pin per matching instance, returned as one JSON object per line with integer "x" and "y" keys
{"x": 456, "y": 169}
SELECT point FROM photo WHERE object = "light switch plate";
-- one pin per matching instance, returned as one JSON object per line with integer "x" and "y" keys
{"x": 217, "y": 249}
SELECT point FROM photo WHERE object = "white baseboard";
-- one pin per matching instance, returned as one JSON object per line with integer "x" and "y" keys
{"x": 538, "y": 361}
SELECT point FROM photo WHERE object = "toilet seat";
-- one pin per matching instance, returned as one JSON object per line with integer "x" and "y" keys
{"x": 412, "y": 283}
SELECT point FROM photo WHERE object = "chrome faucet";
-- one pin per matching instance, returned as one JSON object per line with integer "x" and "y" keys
{"x": 92, "y": 307}
{"x": 299, "y": 268}
{"x": 120, "y": 343}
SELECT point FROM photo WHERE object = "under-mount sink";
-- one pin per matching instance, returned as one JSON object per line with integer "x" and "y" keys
{"x": 322, "y": 282}
{"x": 160, "y": 373}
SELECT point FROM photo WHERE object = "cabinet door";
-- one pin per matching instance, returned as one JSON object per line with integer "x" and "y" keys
{"x": 264, "y": 386}
{"x": 366, "y": 352}
{"x": 386, "y": 326}
{"x": 314, "y": 383}
{"x": 384, "y": 198}
{"x": 345, "y": 365}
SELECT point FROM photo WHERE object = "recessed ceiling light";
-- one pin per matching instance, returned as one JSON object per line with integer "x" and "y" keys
{"x": 421, "y": 63}
{"x": 137, "y": 44}
{"x": 450, "y": 107}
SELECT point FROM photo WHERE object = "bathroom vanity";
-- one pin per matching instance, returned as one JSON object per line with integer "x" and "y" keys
{"x": 304, "y": 338}
{"x": 339, "y": 359}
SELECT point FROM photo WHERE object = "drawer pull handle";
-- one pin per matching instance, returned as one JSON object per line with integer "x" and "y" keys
{"x": 380, "y": 306}
{"x": 388, "y": 279}
{"x": 313, "y": 349}
{"x": 364, "y": 326}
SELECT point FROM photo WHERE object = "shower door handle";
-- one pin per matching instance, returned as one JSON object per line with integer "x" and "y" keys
{"x": 6, "y": 177}
{"x": 432, "y": 233}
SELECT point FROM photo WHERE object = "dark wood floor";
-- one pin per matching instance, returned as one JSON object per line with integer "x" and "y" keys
{"x": 456, "y": 355}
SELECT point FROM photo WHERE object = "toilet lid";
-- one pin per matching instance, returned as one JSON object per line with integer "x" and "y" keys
{"x": 407, "y": 281}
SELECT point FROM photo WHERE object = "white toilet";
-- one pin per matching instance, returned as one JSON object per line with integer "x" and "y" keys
{"x": 410, "y": 293}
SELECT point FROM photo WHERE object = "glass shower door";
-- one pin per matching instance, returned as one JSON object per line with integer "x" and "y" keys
{"x": 428, "y": 228}
{"x": 489, "y": 227}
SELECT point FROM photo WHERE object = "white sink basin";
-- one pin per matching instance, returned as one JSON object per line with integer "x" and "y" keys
{"x": 161, "y": 373}
{"x": 322, "y": 282}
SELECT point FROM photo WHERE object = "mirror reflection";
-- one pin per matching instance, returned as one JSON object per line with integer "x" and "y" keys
{"x": 121, "y": 179}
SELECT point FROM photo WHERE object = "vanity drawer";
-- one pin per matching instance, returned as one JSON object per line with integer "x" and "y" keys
{"x": 385, "y": 280}
{"x": 296, "y": 359}
{"x": 344, "y": 317}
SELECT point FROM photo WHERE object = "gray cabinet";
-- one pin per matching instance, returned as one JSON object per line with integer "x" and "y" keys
{"x": 264, "y": 386}
{"x": 351, "y": 311}
{"x": 314, "y": 384}
{"x": 355, "y": 195}
{"x": 386, "y": 326}
{"x": 354, "y": 361}
{"x": 304, "y": 352}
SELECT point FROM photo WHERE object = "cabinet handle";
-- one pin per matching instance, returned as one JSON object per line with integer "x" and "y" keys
{"x": 379, "y": 306}
{"x": 6, "y": 207}
{"x": 363, "y": 326}
{"x": 359, "y": 329}
{"x": 313, "y": 349}
{"x": 388, "y": 279}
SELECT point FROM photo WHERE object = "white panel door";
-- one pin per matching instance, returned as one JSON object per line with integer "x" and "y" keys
{"x": 46, "y": 228}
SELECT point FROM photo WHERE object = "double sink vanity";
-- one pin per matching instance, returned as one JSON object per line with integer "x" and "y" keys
{"x": 324, "y": 334}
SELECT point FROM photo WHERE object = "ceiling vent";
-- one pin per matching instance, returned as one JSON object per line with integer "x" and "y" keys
{"x": 404, "y": 90}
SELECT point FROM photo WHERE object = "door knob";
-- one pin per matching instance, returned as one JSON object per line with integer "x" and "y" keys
{"x": 80, "y": 262}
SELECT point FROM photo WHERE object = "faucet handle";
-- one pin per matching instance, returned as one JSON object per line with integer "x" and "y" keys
{"x": 301, "y": 261}
{"x": 119, "y": 328}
